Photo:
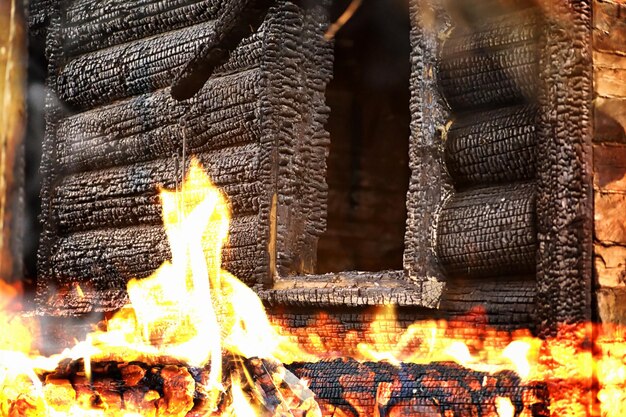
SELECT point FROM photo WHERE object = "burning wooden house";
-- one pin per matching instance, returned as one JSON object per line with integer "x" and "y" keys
{"x": 486, "y": 173}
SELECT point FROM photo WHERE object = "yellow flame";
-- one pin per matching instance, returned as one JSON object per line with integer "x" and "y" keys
{"x": 504, "y": 407}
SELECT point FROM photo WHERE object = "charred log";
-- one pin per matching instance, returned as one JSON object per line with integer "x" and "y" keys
{"x": 491, "y": 64}
{"x": 357, "y": 389}
{"x": 489, "y": 231}
{"x": 492, "y": 147}
{"x": 117, "y": 135}
{"x": 435, "y": 389}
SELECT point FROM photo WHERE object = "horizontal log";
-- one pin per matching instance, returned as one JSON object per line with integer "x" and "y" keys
{"x": 493, "y": 32}
{"x": 142, "y": 66}
{"x": 489, "y": 231}
{"x": 89, "y": 27}
{"x": 499, "y": 78}
{"x": 106, "y": 259}
{"x": 128, "y": 195}
{"x": 224, "y": 114}
{"x": 435, "y": 390}
{"x": 492, "y": 147}
{"x": 493, "y": 63}
{"x": 502, "y": 303}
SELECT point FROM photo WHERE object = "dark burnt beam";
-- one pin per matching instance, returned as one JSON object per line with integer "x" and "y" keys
{"x": 429, "y": 183}
{"x": 564, "y": 199}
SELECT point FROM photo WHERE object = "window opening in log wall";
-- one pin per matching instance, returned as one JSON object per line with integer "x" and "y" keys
{"x": 368, "y": 171}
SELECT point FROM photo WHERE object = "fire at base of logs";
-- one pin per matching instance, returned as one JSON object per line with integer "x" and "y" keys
{"x": 255, "y": 387}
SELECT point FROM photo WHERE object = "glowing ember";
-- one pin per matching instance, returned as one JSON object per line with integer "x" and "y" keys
{"x": 190, "y": 343}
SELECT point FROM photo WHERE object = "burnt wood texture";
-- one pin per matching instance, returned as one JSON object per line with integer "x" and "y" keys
{"x": 519, "y": 207}
{"x": 488, "y": 75}
{"x": 115, "y": 135}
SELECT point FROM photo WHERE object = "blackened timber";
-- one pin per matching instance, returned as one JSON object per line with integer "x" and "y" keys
{"x": 237, "y": 20}
{"x": 139, "y": 67}
{"x": 491, "y": 64}
{"x": 434, "y": 389}
{"x": 504, "y": 304}
{"x": 564, "y": 180}
{"x": 128, "y": 195}
{"x": 493, "y": 146}
{"x": 103, "y": 258}
{"x": 225, "y": 113}
{"x": 498, "y": 79}
{"x": 110, "y": 147}
{"x": 90, "y": 27}
{"x": 430, "y": 182}
{"x": 489, "y": 231}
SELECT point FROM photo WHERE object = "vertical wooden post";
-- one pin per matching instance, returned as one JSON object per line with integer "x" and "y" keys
{"x": 12, "y": 117}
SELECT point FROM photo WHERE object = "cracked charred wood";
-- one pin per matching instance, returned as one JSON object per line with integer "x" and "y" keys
{"x": 436, "y": 389}
{"x": 492, "y": 147}
{"x": 489, "y": 231}
{"x": 89, "y": 28}
{"x": 116, "y": 135}
{"x": 564, "y": 161}
{"x": 106, "y": 198}
{"x": 223, "y": 115}
{"x": 237, "y": 20}
{"x": 493, "y": 63}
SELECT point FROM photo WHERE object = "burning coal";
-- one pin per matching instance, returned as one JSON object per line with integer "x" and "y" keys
{"x": 195, "y": 341}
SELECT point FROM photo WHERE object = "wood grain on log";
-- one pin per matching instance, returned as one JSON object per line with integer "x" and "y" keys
{"x": 493, "y": 63}
{"x": 433, "y": 390}
{"x": 429, "y": 183}
{"x": 225, "y": 113}
{"x": 97, "y": 199}
{"x": 488, "y": 231}
{"x": 90, "y": 27}
{"x": 492, "y": 147}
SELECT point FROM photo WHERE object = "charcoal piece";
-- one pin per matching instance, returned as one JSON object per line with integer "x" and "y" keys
{"x": 489, "y": 231}
{"x": 492, "y": 147}
{"x": 492, "y": 63}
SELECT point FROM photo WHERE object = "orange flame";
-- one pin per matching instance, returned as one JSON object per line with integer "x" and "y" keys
{"x": 192, "y": 311}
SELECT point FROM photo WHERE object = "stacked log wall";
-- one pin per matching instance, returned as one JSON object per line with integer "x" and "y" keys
{"x": 115, "y": 136}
